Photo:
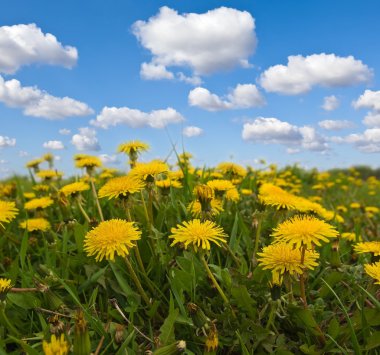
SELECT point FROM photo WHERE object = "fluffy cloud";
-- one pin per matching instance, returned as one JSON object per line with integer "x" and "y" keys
{"x": 369, "y": 99}
{"x": 38, "y": 103}
{"x": 86, "y": 139}
{"x": 151, "y": 71}
{"x": 197, "y": 41}
{"x": 366, "y": 142}
{"x": 64, "y": 131}
{"x": 330, "y": 103}
{"x": 274, "y": 131}
{"x": 27, "y": 44}
{"x": 335, "y": 125}
{"x": 192, "y": 131}
{"x": 55, "y": 145}
{"x": 7, "y": 142}
{"x": 113, "y": 116}
{"x": 109, "y": 159}
{"x": 302, "y": 73}
{"x": 242, "y": 96}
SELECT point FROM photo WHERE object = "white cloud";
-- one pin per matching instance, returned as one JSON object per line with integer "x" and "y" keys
{"x": 366, "y": 142}
{"x": 113, "y": 116}
{"x": 192, "y": 80}
{"x": 369, "y": 99}
{"x": 151, "y": 71}
{"x": 27, "y": 44}
{"x": 64, "y": 131}
{"x": 54, "y": 145}
{"x": 335, "y": 125}
{"x": 372, "y": 119}
{"x": 7, "y": 142}
{"x": 242, "y": 96}
{"x": 109, "y": 159}
{"x": 23, "y": 153}
{"x": 330, "y": 103}
{"x": 192, "y": 131}
{"x": 38, "y": 103}
{"x": 274, "y": 131}
{"x": 198, "y": 41}
{"x": 302, "y": 73}
{"x": 86, "y": 139}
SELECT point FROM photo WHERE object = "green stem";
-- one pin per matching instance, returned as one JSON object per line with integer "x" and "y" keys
{"x": 272, "y": 314}
{"x": 215, "y": 283}
{"x": 257, "y": 239}
{"x": 302, "y": 278}
{"x": 96, "y": 199}
{"x": 137, "y": 281}
{"x": 5, "y": 321}
{"x": 85, "y": 215}
{"x": 145, "y": 210}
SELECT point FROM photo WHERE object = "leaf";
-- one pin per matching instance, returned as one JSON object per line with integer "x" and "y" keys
{"x": 332, "y": 279}
{"x": 305, "y": 316}
{"x": 373, "y": 341}
{"x": 167, "y": 328}
{"x": 333, "y": 328}
{"x": 244, "y": 300}
{"x": 24, "y": 300}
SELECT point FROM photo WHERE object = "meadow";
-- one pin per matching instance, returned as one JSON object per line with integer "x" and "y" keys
{"x": 159, "y": 259}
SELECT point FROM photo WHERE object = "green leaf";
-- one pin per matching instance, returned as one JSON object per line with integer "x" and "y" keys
{"x": 332, "y": 279}
{"x": 334, "y": 328}
{"x": 373, "y": 341}
{"x": 167, "y": 328}
{"x": 244, "y": 300}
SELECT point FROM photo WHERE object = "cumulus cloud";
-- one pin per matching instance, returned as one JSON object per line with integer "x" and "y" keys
{"x": 242, "y": 96}
{"x": 113, "y": 116}
{"x": 366, "y": 142}
{"x": 274, "y": 131}
{"x": 330, "y": 103}
{"x": 7, "y": 142}
{"x": 192, "y": 131}
{"x": 27, "y": 44}
{"x": 302, "y": 73}
{"x": 86, "y": 139}
{"x": 64, "y": 131}
{"x": 192, "y": 80}
{"x": 54, "y": 145}
{"x": 152, "y": 71}
{"x": 197, "y": 41}
{"x": 371, "y": 100}
{"x": 38, "y": 103}
{"x": 109, "y": 159}
{"x": 372, "y": 119}
{"x": 335, "y": 125}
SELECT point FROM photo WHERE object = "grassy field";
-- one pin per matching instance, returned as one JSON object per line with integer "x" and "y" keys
{"x": 178, "y": 259}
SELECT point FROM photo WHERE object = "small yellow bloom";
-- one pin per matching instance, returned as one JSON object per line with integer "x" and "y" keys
{"x": 195, "y": 208}
{"x": 304, "y": 230}
{"x": 167, "y": 183}
{"x": 115, "y": 236}
{"x": 198, "y": 234}
{"x": 350, "y": 236}
{"x": 121, "y": 186}
{"x": 133, "y": 147}
{"x": 373, "y": 270}
{"x": 74, "y": 188}
{"x": 8, "y": 212}
{"x": 149, "y": 171}
{"x": 47, "y": 175}
{"x": 88, "y": 162}
{"x": 38, "y": 203}
{"x": 29, "y": 195}
{"x": 354, "y": 205}
{"x": 57, "y": 346}
{"x": 35, "y": 224}
{"x": 228, "y": 168}
{"x": 368, "y": 247}
{"x": 34, "y": 163}
{"x": 5, "y": 285}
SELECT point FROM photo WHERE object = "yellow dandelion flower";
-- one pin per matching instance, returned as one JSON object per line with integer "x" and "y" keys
{"x": 48, "y": 157}
{"x": 74, "y": 188}
{"x": 88, "y": 162}
{"x": 228, "y": 168}
{"x": 108, "y": 173}
{"x": 81, "y": 156}
{"x": 5, "y": 285}
{"x": 195, "y": 208}
{"x": 49, "y": 174}
{"x": 198, "y": 234}
{"x": 165, "y": 184}
{"x": 36, "y": 224}
{"x": 115, "y": 236}
{"x": 176, "y": 175}
{"x": 57, "y": 346}
{"x": 355, "y": 205}
{"x": 246, "y": 192}
{"x": 233, "y": 195}
{"x": 148, "y": 171}
{"x": 41, "y": 188}
{"x": 34, "y": 163}
{"x": 373, "y": 270}
{"x": 304, "y": 230}
{"x": 368, "y": 247}
{"x": 121, "y": 186}
{"x": 350, "y": 236}
{"x": 221, "y": 185}
{"x": 133, "y": 147}
{"x": 38, "y": 203}
{"x": 372, "y": 210}
{"x": 203, "y": 193}
{"x": 29, "y": 195}
{"x": 281, "y": 258}
{"x": 216, "y": 175}
{"x": 212, "y": 340}
{"x": 7, "y": 190}
{"x": 275, "y": 196}
{"x": 8, "y": 212}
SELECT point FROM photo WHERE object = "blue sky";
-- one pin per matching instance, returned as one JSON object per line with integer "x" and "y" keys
{"x": 249, "y": 77}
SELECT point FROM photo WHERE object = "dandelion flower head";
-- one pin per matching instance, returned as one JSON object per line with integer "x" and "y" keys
{"x": 35, "y": 224}
{"x": 121, "y": 186}
{"x": 57, "y": 346}
{"x": 38, "y": 203}
{"x": 368, "y": 247}
{"x": 8, "y": 211}
{"x": 373, "y": 270}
